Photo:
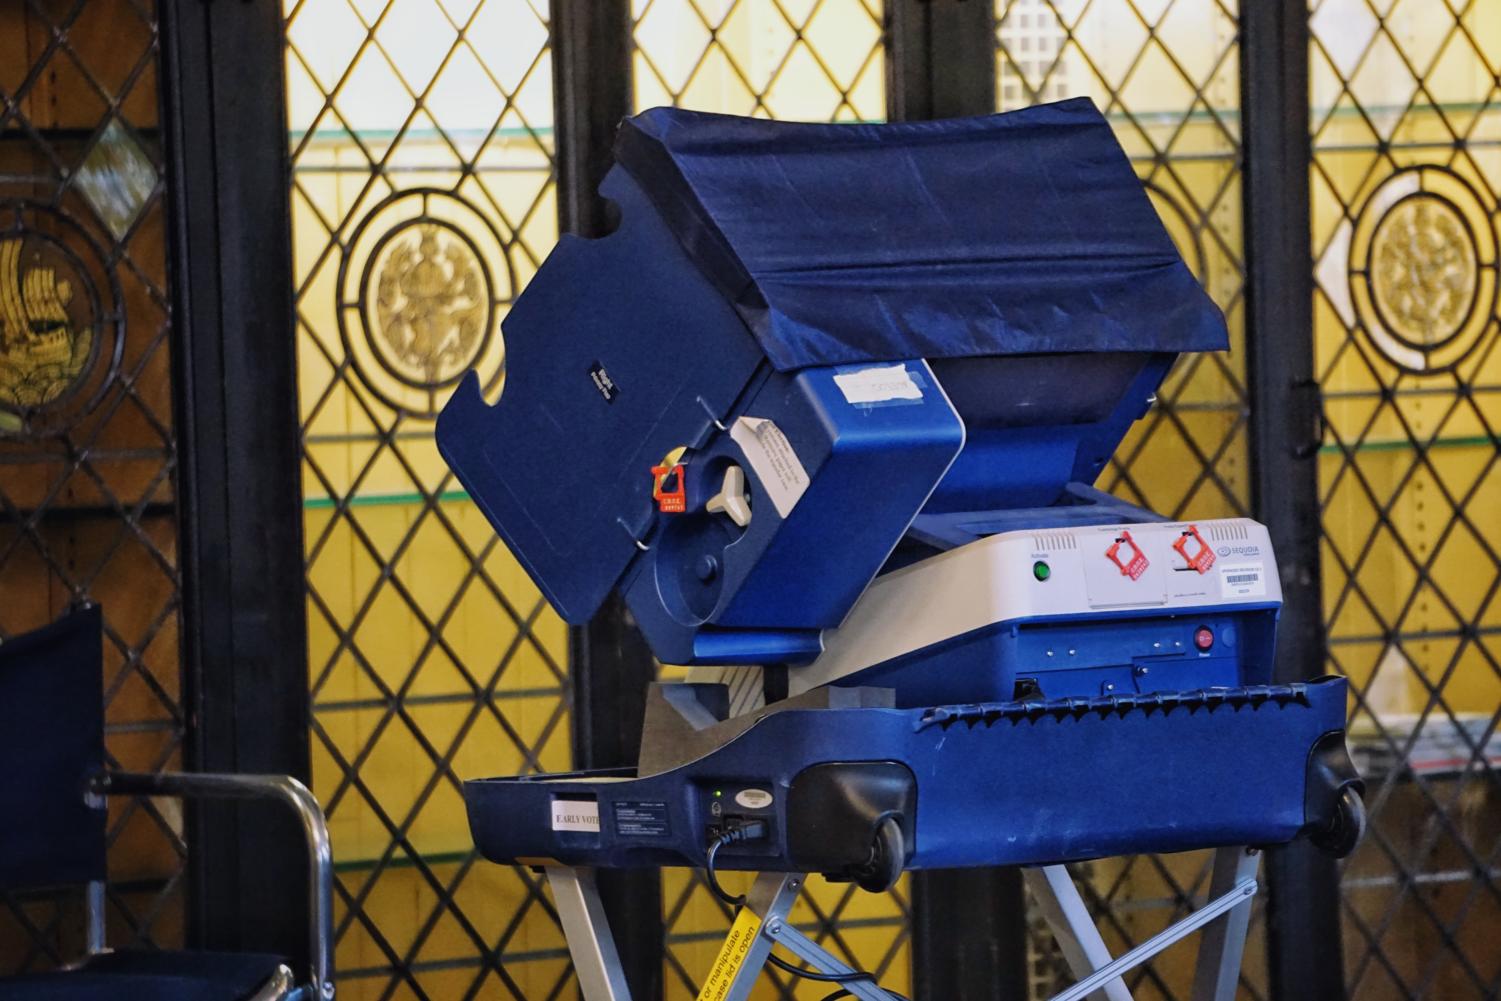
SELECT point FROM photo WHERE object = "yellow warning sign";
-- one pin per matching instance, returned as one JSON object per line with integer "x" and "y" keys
{"x": 731, "y": 956}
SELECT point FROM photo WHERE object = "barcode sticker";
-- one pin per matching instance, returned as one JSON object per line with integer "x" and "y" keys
{"x": 1243, "y": 580}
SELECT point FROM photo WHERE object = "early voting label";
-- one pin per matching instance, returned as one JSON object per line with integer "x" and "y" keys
{"x": 774, "y": 461}
{"x": 882, "y": 384}
{"x": 575, "y": 815}
{"x": 1243, "y": 580}
{"x": 731, "y": 958}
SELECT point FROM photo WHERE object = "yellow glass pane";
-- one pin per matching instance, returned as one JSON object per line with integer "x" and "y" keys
{"x": 1405, "y": 181}
{"x": 797, "y": 60}
{"x": 422, "y": 202}
{"x": 1167, "y": 77}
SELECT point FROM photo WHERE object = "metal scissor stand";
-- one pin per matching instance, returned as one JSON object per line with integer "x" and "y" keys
{"x": 763, "y": 922}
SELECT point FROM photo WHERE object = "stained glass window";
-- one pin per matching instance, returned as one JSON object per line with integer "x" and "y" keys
{"x": 88, "y": 505}
{"x": 801, "y": 60}
{"x": 1406, "y": 121}
{"x": 422, "y": 202}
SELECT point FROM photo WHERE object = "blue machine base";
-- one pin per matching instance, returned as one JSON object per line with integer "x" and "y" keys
{"x": 1028, "y": 782}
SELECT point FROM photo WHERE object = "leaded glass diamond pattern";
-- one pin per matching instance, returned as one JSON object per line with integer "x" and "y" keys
{"x": 1166, "y": 75}
{"x": 804, "y": 60}
{"x": 422, "y": 201}
{"x": 87, "y": 492}
{"x": 1406, "y": 119}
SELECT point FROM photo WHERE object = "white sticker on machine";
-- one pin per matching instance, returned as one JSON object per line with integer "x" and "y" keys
{"x": 754, "y": 799}
{"x": 1243, "y": 580}
{"x": 575, "y": 815}
{"x": 878, "y": 385}
{"x": 778, "y": 469}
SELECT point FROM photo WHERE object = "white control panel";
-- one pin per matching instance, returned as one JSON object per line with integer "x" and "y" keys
{"x": 1018, "y": 576}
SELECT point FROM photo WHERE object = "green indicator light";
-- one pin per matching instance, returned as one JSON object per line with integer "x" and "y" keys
{"x": 719, "y": 794}
{"x": 1041, "y": 570}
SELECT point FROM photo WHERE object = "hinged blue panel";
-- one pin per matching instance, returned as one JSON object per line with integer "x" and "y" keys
{"x": 601, "y": 383}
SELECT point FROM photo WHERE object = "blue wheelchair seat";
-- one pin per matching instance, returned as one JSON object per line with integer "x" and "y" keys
{"x": 53, "y": 832}
{"x": 141, "y": 975}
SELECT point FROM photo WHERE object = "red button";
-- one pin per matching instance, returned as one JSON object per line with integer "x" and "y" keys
{"x": 1204, "y": 638}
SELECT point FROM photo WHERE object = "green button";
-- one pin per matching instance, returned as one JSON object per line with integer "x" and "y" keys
{"x": 1041, "y": 570}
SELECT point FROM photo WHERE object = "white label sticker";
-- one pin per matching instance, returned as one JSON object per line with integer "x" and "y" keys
{"x": 771, "y": 456}
{"x": 575, "y": 815}
{"x": 877, "y": 385}
{"x": 753, "y": 799}
{"x": 1243, "y": 580}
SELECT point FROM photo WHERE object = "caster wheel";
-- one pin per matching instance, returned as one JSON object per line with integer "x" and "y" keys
{"x": 1346, "y": 827}
{"x": 888, "y": 856}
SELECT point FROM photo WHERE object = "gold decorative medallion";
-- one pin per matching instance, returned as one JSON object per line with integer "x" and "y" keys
{"x": 52, "y": 324}
{"x": 1421, "y": 259}
{"x": 432, "y": 303}
{"x": 1424, "y": 270}
{"x": 42, "y": 350}
{"x": 422, "y": 288}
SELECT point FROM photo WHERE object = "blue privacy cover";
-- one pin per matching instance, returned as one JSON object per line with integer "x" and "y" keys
{"x": 1020, "y": 233}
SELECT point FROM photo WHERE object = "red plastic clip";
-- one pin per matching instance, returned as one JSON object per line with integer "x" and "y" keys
{"x": 1201, "y": 560}
{"x": 1136, "y": 565}
{"x": 674, "y": 501}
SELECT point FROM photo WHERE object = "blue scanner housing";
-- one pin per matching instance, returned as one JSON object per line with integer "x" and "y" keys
{"x": 1007, "y": 271}
{"x": 811, "y": 362}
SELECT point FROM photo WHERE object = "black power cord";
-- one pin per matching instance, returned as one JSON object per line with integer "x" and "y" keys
{"x": 754, "y": 830}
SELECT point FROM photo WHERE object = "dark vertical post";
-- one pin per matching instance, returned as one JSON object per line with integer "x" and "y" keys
{"x": 909, "y": 96}
{"x": 591, "y": 59}
{"x": 1303, "y": 914}
{"x": 940, "y": 58}
{"x": 238, "y": 482}
{"x": 969, "y": 927}
{"x": 610, "y": 663}
{"x": 969, "y": 935}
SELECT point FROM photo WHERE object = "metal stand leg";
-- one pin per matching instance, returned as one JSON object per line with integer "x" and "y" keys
{"x": 1231, "y": 890}
{"x": 1083, "y": 948}
{"x": 576, "y": 895}
{"x": 763, "y": 922}
{"x": 94, "y": 912}
{"x": 1220, "y": 949}
{"x": 760, "y": 924}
